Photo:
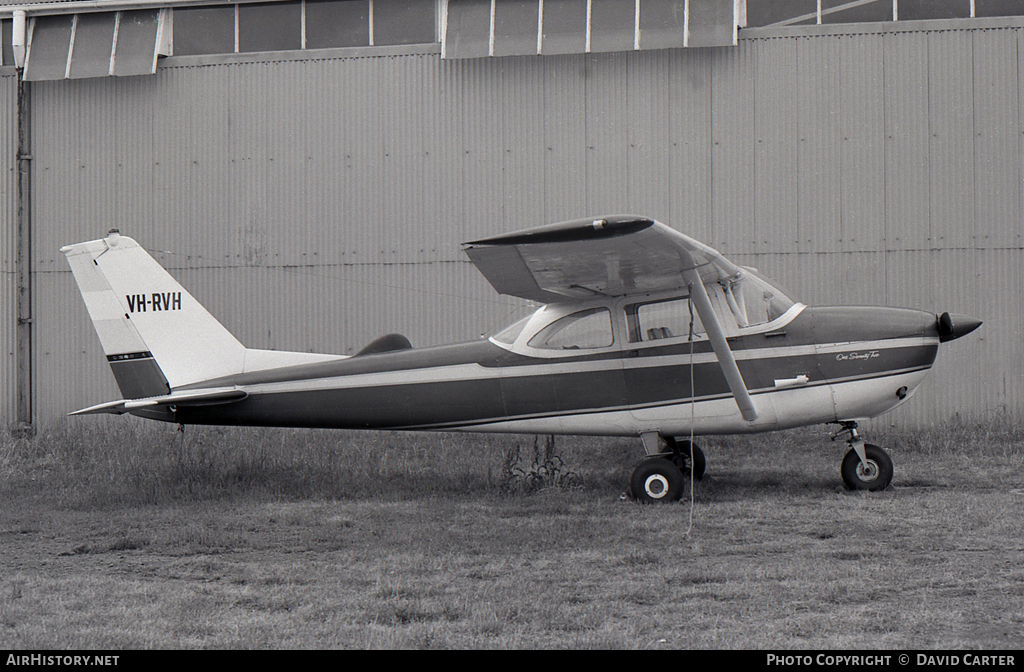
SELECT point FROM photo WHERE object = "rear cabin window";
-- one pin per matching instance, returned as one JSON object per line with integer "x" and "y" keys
{"x": 584, "y": 330}
{"x": 509, "y": 334}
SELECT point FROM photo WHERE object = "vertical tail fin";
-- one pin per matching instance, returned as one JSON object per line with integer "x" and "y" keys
{"x": 155, "y": 335}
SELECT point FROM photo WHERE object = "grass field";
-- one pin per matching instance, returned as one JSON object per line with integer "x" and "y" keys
{"x": 129, "y": 535}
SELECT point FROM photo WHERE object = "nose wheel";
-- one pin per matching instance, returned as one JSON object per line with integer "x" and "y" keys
{"x": 874, "y": 472}
{"x": 865, "y": 466}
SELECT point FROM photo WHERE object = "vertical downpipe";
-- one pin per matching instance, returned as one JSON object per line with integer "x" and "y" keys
{"x": 24, "y": 254}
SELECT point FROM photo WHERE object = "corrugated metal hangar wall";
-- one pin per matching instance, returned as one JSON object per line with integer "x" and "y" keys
{"x": 314, "y": 201}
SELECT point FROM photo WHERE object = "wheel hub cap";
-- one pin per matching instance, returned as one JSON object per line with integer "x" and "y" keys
{"x": 867, "y": 470}
{"x": 656, "y": 486}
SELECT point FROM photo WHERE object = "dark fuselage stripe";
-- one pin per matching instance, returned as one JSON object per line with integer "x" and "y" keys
{"x": 661, "y": 404}
{"x": 466, "y": 401}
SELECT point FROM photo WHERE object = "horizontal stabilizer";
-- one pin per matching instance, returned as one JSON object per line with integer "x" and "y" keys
{"x": 191, "y": 398}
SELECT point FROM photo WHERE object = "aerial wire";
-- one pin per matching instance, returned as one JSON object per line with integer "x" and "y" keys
{"x": 693, "y": 414}
{"x": 308, "y": 271}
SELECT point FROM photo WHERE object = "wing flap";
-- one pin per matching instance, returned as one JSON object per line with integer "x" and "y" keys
{"x": 507, "y": 271}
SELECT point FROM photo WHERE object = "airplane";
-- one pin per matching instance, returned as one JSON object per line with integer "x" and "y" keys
{"x": 641, "y": 332}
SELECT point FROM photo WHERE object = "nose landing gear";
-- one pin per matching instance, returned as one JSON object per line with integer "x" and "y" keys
{"x": 865, "y": 466}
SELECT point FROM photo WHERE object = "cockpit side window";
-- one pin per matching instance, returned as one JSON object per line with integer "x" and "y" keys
{"x": 586, "y": 329}
{"x": 656, "y": 320}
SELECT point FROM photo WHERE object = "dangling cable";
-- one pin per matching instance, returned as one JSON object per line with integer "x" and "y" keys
{"x": 693, "y": 415}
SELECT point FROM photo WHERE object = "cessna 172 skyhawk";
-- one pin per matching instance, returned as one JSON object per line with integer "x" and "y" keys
{"x": 643, "y": 332}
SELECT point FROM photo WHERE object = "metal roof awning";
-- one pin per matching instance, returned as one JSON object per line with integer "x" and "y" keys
{"x": 96, "y": 44}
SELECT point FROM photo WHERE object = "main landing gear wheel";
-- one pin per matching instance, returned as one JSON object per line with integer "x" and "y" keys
{"x": 874, "y": 473}
{"x": 657, "y": 480}
{"x": 681, "y": 457}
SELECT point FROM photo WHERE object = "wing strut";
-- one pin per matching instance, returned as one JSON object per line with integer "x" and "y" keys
{"x": 699, "y": 296}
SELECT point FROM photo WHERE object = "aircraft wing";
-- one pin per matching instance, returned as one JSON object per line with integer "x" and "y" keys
{"x": 611, "y": 256}
{"x": 190, "y": 398}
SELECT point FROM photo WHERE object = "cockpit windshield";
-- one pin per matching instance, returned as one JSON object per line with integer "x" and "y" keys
{"x": 755, "y": 300}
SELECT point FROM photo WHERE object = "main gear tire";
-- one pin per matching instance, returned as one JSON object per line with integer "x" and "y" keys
{"x": 657, "y": 480}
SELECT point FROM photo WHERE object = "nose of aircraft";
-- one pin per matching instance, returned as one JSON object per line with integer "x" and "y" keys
{"x": 955, "y": 325}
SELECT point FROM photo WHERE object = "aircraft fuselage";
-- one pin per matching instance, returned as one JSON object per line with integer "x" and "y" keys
{"x": 826, "y": 364}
